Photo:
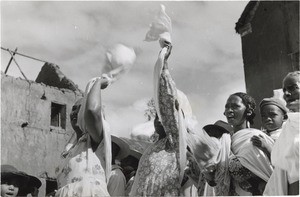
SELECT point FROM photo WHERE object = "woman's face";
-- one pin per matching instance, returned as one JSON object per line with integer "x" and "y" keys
{"x": 74, "y": 117}
{"x": 235, "y": 111}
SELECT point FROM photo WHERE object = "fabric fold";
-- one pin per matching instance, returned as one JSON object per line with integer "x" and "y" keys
{"x": 250, "y": 156}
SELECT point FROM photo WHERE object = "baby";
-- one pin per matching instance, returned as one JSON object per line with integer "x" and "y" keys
{"x": 273, "y": 114}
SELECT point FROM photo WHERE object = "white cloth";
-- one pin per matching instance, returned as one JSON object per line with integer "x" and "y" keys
{"x": 210, "y": 151}
{"x": 161, "y": 27}
{"x": 117, "y": 182}
{"x": 277, "y": 184}
{"x": 106, "y": 130}
{"x": 249, "y": 155}
{"x": 275, "y": 134}
{"x": 189, "y": 189}
{"x": 209, "y": 190}
{"x": 285, "y": 152}
{"x": 119, "y": 60}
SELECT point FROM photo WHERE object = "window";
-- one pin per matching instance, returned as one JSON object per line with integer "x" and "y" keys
{"x": 58, "y": 115}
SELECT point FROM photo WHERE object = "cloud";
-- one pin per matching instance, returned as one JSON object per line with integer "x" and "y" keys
{"x": 206, "y": 60}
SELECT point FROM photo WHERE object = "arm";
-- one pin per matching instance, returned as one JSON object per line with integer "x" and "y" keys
{"x": 93, "y": 111}
{"x": 168, "y": 104}
{"x": 262, "y": 144}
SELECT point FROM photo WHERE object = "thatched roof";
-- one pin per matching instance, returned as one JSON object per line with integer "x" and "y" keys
{"x": 51, "y": 75}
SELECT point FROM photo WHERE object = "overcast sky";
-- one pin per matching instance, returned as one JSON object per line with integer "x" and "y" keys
{"x": 206, "y": 61}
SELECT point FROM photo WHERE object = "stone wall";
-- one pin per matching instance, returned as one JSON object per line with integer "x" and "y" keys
{"x": 28, "y": 141}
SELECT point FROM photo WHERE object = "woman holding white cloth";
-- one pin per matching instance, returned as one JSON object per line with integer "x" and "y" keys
{"x": 86, "y": 164}
{"x": 249, "y": 166}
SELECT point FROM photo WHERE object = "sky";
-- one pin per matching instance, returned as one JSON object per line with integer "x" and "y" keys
{"x": 206, "y": 60}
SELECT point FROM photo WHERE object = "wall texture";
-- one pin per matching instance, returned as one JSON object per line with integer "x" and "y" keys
{"x": 27, "y": 140}
{"x": 270, "y": 46}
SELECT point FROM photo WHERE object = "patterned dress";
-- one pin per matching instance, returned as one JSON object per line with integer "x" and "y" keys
{"x": 158, "y": 171}
{"x": 246, "y": 179}
{"x": 82, "y": 172}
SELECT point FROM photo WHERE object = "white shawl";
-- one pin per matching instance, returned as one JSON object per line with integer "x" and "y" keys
{"x": 249, "y": 155}
{"x": 285, "y": 153}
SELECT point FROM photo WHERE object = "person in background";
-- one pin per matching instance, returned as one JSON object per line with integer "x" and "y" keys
{"x": 86, "y": 164}
{"x": 273, "y": 114}
{"x": 249, "y": 167}
{"x": 31, "y": 188}
{"x": 12, "y": 181}
{"x": 285, "y": 152}
{"x": 211, "y": 150}
{"x": 117, "y": 181}
{"x": 130, "y": 165}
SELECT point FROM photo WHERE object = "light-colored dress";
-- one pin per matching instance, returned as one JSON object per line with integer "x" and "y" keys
{"x": 158, "y": 172}
{"x": 82, "y": 172}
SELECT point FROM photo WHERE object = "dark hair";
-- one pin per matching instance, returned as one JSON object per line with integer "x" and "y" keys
{"x": 250, "y": 104}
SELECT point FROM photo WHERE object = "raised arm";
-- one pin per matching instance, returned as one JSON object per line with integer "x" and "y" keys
{"x": 93, "y": 113}
{"x": 167, "y": 102}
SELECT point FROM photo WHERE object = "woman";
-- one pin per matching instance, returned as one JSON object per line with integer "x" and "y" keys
{"x": 249, "y": 167}
{"x": 86, "y": 167}
{"x": 160, "y": 171}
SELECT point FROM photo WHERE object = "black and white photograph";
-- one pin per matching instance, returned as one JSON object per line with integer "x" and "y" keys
{"x": 149, "y": 98}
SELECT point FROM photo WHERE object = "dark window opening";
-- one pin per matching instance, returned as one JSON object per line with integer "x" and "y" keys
{"x": 58, "y": 115}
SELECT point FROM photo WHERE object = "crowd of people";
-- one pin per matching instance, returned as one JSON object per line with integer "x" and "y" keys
{"x": 221, "y": 159}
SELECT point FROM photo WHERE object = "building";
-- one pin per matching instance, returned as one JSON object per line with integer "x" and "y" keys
{"x": 269, "y": 33}
{"x": 35, "y": 123}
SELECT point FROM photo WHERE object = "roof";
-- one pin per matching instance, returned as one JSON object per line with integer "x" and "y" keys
{"x": 247, "y": 15}
{"x": 51, "y": 75}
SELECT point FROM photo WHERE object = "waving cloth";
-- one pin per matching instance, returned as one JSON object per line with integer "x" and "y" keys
{"x": 106, "y": 132}
{"x": 250, "y": 156}
{"x": 209, "y": 151}
{"x": 119, "y": 60}
{"x": 161, "y": 27}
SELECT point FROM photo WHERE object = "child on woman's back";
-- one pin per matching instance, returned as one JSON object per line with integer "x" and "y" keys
{"x": 273, "y": 114}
